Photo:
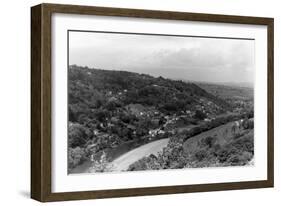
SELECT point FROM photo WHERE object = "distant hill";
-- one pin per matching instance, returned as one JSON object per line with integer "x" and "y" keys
{"x": 237, "y": 84}
{"x": 91, "y": 88}
{"x": 229, "y": 91}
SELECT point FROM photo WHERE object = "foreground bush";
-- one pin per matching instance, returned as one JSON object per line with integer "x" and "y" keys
{"x": 101, "y": 165}
{"x": 75, "y": 156}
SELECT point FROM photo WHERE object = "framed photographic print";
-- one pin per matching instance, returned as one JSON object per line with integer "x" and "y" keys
{"x": 130, "y": 102}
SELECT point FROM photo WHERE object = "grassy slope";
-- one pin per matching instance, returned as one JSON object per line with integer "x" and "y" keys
{"x": 220, "y": 147}
{"x": 223, "y": 134}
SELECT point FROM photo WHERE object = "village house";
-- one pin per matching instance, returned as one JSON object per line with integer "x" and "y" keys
{"x": 155, "y": 132}
{"x": 96, "y": 132}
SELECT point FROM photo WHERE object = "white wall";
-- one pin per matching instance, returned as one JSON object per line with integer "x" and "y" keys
{"x": 15, "y": 103}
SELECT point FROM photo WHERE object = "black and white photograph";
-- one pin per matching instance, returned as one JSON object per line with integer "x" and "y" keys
{"x": 140, "y": 102}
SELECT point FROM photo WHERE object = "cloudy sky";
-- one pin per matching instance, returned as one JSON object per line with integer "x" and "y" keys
{"x": 186, "y": 58}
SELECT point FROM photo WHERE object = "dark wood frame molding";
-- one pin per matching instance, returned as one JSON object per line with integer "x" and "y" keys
{"x": 41, "y": 101}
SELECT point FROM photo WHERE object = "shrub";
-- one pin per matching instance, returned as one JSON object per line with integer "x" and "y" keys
{"x": 101, "y": 165}
{"x": 75, "y": 110}
{"x": 75, "y": 156}
{"x": 78, "y": 135}
{"x": 238, "y": 151}
{"x": 199, "y": 115}
{"x": 101, "y": 115}
{"x": 215, "y": 149}
{"x": 110, "y": 105}
{"x": 234, "y": 160}
{"x": 245, "y": 143}
{"x": 170, "y": 106}
{"x": 138, "y": 165}
{"x": 251, "y": 124}
{"x": 222, "y": 154}
{"x": 240, "y": 159}
{"x": 210, "y": 141}
{"x": 248, "y": 124}
{"x": 207, "y": 142}
{"x": 200, "y": 155}
{"x": 146, "y": 163}
{"x": 83, "y": 119}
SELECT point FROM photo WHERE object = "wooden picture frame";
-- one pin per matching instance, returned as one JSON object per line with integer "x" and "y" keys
{"x": 41, "y": 95}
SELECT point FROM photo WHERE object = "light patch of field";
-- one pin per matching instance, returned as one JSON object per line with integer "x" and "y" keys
{"x": 222, "y": 133}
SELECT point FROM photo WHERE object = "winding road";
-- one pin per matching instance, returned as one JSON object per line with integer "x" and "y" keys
{"x": 123, "y": 162}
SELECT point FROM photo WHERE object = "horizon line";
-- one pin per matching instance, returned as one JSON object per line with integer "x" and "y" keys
{"x": 229, "y": 83}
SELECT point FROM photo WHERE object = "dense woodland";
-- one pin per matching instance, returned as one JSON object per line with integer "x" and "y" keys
{"x": 108, "y": 109}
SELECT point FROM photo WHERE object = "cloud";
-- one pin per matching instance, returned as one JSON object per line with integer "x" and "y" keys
{"x": 197, "y": 59}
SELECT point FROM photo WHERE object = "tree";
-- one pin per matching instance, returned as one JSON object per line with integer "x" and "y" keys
{"x": 101, "y": 115}
{"x": 75, "y": 156}
{"x": 78, "y": 135}
{"x": 200, "y": 115}
{"x": 101, "y": 165}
